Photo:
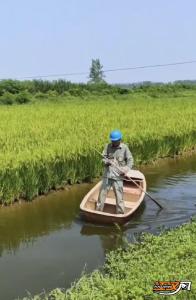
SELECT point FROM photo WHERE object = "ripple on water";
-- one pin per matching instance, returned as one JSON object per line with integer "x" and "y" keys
{"x": 58, "y": 243}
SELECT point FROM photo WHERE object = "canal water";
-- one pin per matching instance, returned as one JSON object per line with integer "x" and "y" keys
{"x": 45, "y": 244}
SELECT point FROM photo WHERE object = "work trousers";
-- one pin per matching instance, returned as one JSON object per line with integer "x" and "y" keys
{"x": 117, "y": 186}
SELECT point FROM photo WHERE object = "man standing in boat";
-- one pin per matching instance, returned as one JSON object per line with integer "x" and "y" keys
{"x": 118, "y": 160}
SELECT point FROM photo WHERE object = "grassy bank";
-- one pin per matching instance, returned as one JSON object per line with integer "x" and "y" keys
{"x": 43, "y": 146}
{"x": 130, "y": 273}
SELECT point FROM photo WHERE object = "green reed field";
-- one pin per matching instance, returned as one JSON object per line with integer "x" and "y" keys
{"x": 45, "y": 145}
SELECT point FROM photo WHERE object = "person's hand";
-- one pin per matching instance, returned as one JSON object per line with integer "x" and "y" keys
{"x": 124, "y": 174}
{"x": 107, "y": 162}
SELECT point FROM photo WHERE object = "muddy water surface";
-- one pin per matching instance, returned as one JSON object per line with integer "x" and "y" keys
{"x": 45, "y": 244}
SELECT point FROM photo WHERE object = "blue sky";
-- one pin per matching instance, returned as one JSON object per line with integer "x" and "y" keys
{"x": 53, "y": 37}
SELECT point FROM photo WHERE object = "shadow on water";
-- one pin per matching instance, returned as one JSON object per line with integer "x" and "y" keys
{"x": 45, "y": 244}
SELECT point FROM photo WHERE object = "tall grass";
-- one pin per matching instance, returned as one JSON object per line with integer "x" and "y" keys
{"x": 43, "y": 146}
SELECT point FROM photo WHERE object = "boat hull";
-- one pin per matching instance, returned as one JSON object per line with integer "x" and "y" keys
{"x": 133, "y": 194}
{"x": 102, "y": 219}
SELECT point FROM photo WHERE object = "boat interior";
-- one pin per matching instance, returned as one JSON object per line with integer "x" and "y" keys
{"x": 131, "y": 197}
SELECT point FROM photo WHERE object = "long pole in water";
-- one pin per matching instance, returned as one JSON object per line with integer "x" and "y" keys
{"x": 130, "y": 179}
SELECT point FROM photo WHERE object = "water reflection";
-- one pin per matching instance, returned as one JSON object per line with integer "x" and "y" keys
{"x": 23, "y": 223}
{"x": 49, "y": 243}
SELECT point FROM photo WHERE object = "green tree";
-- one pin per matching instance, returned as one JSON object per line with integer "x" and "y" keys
{"x": 96, "y": 73}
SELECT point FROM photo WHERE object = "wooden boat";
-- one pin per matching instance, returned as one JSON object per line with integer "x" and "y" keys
{"x": 132, "y": 195}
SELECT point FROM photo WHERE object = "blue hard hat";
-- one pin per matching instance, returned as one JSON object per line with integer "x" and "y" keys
{"x": 115, "y": 135}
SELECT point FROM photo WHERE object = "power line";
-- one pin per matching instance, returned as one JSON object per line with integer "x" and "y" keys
{"x": 152, "y": 66}
{"x": 109, "y": 70}
{"x": 54, "y": 75}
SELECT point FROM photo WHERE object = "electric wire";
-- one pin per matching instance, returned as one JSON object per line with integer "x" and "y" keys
{"x": 107, "y": 70}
